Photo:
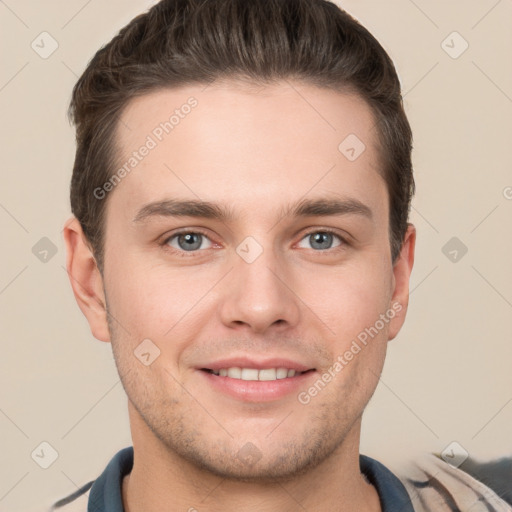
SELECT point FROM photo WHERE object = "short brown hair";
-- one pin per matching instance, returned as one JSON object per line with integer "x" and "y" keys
{"x": 182, "y": 42}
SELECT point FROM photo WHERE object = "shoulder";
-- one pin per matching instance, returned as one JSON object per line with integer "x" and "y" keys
{"x": 102, "y": 494}
{"x": 433, "y": 484}
{"x": 74, "y": 502}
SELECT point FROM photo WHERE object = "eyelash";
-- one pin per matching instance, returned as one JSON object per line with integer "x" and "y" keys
{"x": 184, "y": 254}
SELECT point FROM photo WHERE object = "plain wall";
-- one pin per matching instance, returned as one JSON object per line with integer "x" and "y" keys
{"x": 448, "y": 373}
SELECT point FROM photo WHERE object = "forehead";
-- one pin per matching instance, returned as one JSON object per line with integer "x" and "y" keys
{"x": 249, "y": 146}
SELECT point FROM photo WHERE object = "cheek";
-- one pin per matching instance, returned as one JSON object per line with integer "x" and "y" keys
{"x": 350, "y": 298}
{"x": 155, "y": 302}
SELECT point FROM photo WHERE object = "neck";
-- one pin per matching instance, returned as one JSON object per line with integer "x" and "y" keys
{"x": 163, "y": 480}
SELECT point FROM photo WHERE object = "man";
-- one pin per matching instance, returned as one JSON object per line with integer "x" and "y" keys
{"x": 240, "y": 193}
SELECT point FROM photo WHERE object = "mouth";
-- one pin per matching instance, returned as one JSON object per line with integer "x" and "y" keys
{"x": 247, "y": 384}
{"x": 257, "y": 374}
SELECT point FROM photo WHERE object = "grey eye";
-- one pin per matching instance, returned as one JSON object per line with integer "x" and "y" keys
{"x": 188, "y": 241}
{"x": 321, "y": 240}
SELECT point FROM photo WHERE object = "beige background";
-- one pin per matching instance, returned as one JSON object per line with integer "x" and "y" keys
{"x": 448, "y": 374}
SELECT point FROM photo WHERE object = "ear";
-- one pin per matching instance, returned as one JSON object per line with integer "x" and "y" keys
{"x": 401, "y": 275}
{"x": 86, "y": 279}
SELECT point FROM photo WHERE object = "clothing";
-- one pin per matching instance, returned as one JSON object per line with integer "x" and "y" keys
{"x": 435, "y": 486}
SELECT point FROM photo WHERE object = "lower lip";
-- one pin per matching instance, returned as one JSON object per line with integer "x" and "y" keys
{"x": 258, "y": 390}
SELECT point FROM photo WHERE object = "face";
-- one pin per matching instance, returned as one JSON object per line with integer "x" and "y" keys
{"x": 246, "y": 243}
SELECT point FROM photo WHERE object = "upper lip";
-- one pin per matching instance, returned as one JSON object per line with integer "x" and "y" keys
{"x": 250, "y": 362}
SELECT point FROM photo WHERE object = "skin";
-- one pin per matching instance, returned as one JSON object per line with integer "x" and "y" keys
{"x": 254, "y": 151}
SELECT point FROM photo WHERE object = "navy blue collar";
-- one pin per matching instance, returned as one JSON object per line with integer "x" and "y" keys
{"x": 392, "y": 493}
{"x": 105, "y": 495}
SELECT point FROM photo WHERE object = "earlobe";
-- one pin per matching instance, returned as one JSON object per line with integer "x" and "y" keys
{"x": 401, "y": 276}
{"x": 86, "y": 280}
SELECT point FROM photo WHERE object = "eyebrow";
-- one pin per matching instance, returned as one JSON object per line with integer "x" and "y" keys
{"x": 209, "y": 210}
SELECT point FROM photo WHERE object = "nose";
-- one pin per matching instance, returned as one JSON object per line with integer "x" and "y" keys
{"x": 259, "y": 296}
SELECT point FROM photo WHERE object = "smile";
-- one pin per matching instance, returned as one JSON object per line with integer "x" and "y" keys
{"x": 263, "y": 374}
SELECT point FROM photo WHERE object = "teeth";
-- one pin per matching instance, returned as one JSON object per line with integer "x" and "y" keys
{"x": 282, "y": 373}
{"x": 249, "y": 374}
{"x": 268, "y": 374}
{"x": 255, "y": 374}
{"x": 235, "y": 373}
